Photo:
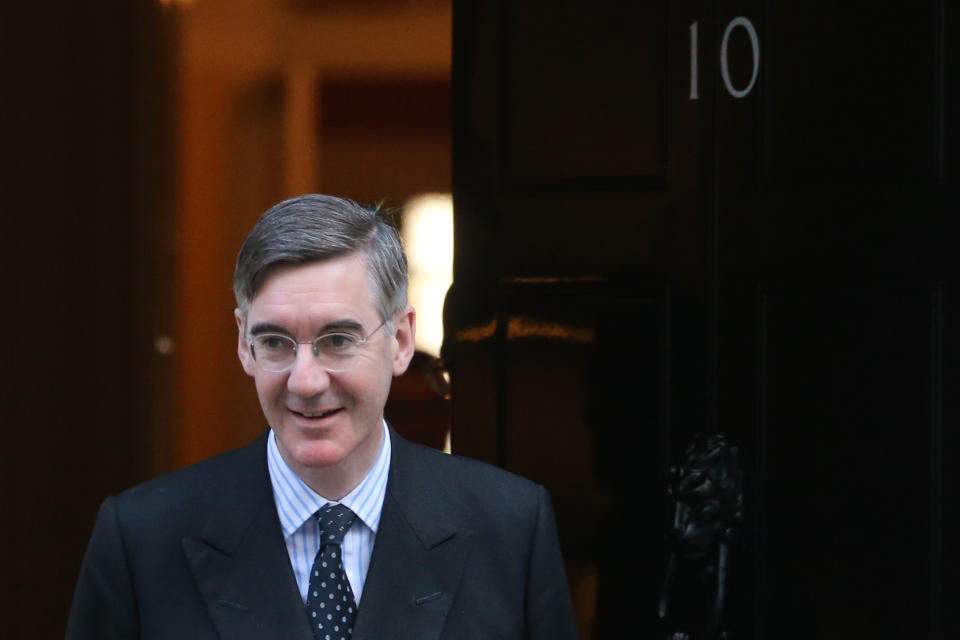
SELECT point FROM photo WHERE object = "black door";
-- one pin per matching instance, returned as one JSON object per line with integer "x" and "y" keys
{"x": 682, "y": 220}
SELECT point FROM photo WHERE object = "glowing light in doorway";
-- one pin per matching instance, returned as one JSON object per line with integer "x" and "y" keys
{"x": 428, "y": 237}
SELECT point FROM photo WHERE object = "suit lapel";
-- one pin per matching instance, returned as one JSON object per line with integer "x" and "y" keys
{"x": 240, "y": 562}
{"x": 418, "y": 558}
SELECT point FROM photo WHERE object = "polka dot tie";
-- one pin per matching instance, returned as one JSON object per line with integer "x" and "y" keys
{"x": 330, "y": 605}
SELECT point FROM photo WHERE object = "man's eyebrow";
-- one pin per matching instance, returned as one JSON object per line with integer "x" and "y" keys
{"x": 343, "y": 324}
{"x": 266, "y": 327}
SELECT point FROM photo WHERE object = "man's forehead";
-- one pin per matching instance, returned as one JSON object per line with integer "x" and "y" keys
{"x": 336, "y": 289}
{"x": 317, "y": 275}
{"x": 352, "y": 262}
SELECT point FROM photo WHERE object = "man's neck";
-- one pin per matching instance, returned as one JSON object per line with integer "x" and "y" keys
{"x": 336, "y": 481}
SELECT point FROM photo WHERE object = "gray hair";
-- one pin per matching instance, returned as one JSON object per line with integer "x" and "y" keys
{"x": 313, "y": 227}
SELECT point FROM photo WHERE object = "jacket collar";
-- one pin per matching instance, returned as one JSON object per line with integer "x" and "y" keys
{"x": 419, "y": 555}
{"x": 240, "y": 562}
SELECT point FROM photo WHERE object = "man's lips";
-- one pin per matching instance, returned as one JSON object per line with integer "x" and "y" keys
{"x": 317, "y": 414}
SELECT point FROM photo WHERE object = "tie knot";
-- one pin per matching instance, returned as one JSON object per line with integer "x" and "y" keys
{"x": 334, "y": 520}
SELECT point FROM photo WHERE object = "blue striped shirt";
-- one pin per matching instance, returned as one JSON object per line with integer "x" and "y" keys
{"x": 297, "y": 503}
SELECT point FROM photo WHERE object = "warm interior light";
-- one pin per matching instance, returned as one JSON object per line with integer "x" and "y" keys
{"x": 428, "y": 237}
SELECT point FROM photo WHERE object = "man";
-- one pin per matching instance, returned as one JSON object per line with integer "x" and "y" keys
{"x": 329, "y": 525}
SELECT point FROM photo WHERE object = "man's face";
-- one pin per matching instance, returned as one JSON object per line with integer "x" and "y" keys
{"x": 326, "y": 421}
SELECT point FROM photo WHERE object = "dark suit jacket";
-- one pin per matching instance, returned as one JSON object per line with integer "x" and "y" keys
{"x": 463, "y": 550}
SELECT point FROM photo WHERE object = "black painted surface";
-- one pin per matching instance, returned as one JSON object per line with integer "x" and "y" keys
{"x": 803, "y": 238}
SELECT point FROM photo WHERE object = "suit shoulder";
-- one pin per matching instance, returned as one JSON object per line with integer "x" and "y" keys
{"x": 469, "y": 479}
{"x": 189, "y": 491}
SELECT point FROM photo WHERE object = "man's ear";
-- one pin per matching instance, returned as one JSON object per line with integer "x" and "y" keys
{"x": 405, "y": 330}
{"x": 243, "y": 347}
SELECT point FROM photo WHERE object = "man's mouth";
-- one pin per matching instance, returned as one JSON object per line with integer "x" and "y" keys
{"x": 318, "y": 414}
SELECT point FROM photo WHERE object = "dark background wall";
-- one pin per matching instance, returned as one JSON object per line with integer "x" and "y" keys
{"x": 79, "y": 248}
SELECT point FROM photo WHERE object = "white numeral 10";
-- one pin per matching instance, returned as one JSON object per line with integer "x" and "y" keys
{"x": 724, "y": 66}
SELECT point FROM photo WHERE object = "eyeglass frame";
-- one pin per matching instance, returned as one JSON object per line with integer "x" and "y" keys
{"x": 316, "y": 351}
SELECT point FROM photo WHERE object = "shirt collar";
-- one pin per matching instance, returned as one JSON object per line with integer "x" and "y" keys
{"x": 296, "y": 502}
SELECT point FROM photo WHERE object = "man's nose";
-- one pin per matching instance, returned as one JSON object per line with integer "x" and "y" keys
{"x": 307, "y": 376}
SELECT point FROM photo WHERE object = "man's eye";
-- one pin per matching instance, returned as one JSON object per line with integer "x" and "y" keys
{"x": 334, "y": 342}
{"x": 273, "y": 343}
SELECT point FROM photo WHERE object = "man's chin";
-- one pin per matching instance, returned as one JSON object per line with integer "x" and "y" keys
{"x": 318, "y": 454}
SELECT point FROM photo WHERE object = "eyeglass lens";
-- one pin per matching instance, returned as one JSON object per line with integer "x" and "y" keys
{"x": 278, "y": 352}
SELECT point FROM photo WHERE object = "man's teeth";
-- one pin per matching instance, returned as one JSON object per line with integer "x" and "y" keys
{"x": 318, "y": 415}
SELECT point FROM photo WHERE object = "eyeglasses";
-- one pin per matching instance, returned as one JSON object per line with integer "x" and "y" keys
{"x": 277, "y": 352}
